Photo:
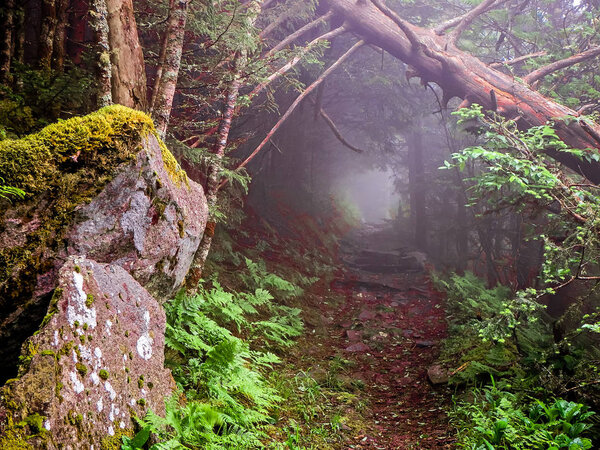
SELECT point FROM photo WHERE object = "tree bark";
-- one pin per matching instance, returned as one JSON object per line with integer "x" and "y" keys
{"x": 127, "y": 59}
{"x": 6, "y": 44}
{"x": 435, "y": 59}
{"x": 59, "y": 47}
{"x": 166, "y": 81}
{"x": 46, "y": 44}
{"x": 99, "y": 23}
{"x": 213, "y": 178}
{"x": 416, "y": 183}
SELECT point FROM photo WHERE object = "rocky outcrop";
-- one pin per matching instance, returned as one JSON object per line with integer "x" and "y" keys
{"x": 107, "y": 232}
{"x": 102, "y": 186}
{"x": 96, "y": 362}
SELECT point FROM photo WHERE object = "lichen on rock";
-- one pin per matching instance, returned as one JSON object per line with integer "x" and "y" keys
{"x": 97, "y": 397}
{"x": 103, "y": 186}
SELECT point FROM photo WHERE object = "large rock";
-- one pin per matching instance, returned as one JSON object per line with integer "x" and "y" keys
{"x": 98, "y": 360}
{"x": 101, "y": 186}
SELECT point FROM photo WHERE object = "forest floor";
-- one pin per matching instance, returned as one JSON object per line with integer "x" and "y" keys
{"x": 371, "y": 337}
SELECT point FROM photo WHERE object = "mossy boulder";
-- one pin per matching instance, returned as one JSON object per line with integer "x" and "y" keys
{"x": 102, "y": 186}
{"x": 92, "y": 366}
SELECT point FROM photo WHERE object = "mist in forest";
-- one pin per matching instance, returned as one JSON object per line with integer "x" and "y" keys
{"x": 372, "y": 192}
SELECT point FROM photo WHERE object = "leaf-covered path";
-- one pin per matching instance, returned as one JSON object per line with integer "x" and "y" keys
{"x": 386, "y": 327}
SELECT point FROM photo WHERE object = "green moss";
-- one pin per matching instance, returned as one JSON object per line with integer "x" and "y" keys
{"x": 89, "y": 301}
{"x": 176, "y": 173}
{"x": 141, "y": 402}
{"x": 14, "y": 440}
{"x": 82, "y": 369}
{"x": 67, "y": 164}
{"x": 115, "y": 442}
{"x": 74, "y": 418}
{"x": 52, "y": 309}
{"x": 35, "y": 423}
{"x": 103, "y": 374}
{"x": 57, "y": 390}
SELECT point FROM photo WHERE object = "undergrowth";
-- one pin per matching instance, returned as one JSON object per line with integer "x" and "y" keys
{"x": 514, "y": 390}
{"x": 224, "y": 348}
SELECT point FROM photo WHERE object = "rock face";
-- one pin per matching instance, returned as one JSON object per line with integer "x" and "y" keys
{"x": 96, "y": 362}
{"x": 144, "y": 220}
{"x": 121, "y": 200}
{"x": 107, "y": 233}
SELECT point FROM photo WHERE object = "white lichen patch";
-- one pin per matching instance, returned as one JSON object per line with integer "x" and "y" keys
{"x": 144, "y": 346}
{"x": 100, "y": 404}
{"x": 56, "y": 341}
{"x": 47, "y": 425}
{"x": 77, "y": 310}
{"x": 111, "y": 431}
{"x": 98, "y": 352}
{"x": 76, "y": 382}
{"x": 108, "y": 326}
{"x": 95, "y": 378}
{"x": 122, "y": 424}
{"x": 111, "y": 392}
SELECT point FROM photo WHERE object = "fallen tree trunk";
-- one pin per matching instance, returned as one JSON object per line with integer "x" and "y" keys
{"x": 435, "y": 58}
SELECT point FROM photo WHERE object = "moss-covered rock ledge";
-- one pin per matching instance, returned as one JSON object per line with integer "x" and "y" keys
{"x": 101, "y": 186}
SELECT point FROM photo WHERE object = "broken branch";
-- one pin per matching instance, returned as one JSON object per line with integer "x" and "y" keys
{"x": 329, "y": 121}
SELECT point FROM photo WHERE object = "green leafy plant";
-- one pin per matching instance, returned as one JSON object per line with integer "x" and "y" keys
{"x": 500, "y": 419}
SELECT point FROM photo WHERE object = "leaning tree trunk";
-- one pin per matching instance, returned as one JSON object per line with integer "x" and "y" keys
{"x": 127, "y": 59}
{"x": 436, "y": 58}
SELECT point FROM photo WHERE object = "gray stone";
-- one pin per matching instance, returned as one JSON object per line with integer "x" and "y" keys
{"x": 97, "y": 361}
{"x": 437, "y": 374}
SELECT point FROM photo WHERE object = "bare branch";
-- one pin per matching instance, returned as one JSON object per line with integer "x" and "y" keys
{"x": 296, "y": 102}
{"x": 292, "y": 37}
{"x": 520, "y": 59}
{"x": 295, "y": 60}
{"x": 443, "y": 27}
{"x": 469, "y": 17}
{"x": 561, "y": 64}
{"x": 329, "y": 121}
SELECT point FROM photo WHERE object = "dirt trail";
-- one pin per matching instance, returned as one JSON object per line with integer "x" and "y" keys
{"x": 389, "y": 327}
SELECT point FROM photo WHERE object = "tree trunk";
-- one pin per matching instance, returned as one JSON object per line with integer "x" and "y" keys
{"x": 59, "y": 47}
{"x": 127, "y": 59}
{"x": 7, "y": 22}
{"x": 99, "y": 23}
{"x": 46, "y": 43}
{"x": 436, "y": 59}
{"x": 416, "y": 172}
{"x": 166, "y": 80}
{"x": 214, "y": 178}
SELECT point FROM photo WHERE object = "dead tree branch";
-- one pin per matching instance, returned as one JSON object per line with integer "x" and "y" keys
{"x": 563, "y": 63}
{"x": 292, "y": 37}
{"x": 331, "y": 124}
{"x": 298, "y": 100}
